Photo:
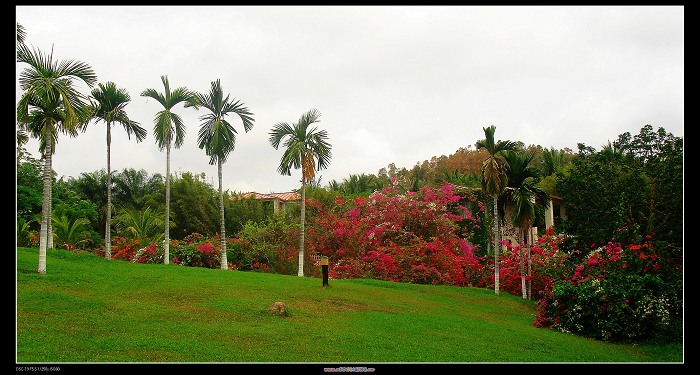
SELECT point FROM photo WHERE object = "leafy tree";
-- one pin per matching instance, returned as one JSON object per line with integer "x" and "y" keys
{"x": 138, "y": 190}
{"x": 217, "y": 137}
{"x": 90, "y": 186}
{"x": 29, "y": 186}
{"x": 109, "y": 106}
{"x": 193, "y": 206}
{"x": 169, "y": 131}
{"x": 244, "y": 210}
{"x": 493, "y": 181}
{"x": 660, "y": 157}
{"x": 49, "y": 105}
{"x": 603, "y": 192}
{"x": 306, "y": 148}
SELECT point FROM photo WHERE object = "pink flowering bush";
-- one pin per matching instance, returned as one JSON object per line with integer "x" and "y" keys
{"x": 411, "y": 237}
{"x": 195, "y": 250}
{"x": 617, "y": 293}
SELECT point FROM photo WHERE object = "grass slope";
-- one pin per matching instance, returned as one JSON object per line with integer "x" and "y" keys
{"x": 86, "y": 309}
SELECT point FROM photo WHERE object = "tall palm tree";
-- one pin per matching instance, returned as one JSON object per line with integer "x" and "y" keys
{"x": 169, "y": 131}
{"x": 217, "y": 137}
{"x": 50, "y": 105}
{"x": 528, "y": 201}
{"x": 306, "y": 148}
{"x": 109, "y": 106}
{"x": 493, "y": 181}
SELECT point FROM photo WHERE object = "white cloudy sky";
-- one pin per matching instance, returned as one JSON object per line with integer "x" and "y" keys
{"x": 393, "y": 84}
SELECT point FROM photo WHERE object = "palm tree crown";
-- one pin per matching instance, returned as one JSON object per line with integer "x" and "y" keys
{"x": 304, "y": 147}
{"x": 216, "y": 135}
{"x": 167, "y": 122}
{"x": 494, "y": 177}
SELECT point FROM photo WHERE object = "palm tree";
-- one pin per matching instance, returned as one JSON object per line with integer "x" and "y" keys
{"x": 528, "y": 202}
{"x": 306, "y": 148}
{"x": 169, "y": 130}
{"x": 109, "y": 107}
{"x": 493, "y": 181}
{"x": 49, "y": 105}
{"x": 217, "y": 137}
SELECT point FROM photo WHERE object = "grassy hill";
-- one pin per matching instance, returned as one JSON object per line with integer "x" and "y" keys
{"x": 86, "y": 309}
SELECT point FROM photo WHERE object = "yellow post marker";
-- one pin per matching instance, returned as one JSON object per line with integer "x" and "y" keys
{"x": 324, "y": 269}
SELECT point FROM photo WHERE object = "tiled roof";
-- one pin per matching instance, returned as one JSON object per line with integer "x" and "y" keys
{"x": 291, "y": 196}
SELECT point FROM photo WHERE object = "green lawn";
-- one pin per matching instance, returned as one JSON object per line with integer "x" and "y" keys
{"x": 86, "y": 309}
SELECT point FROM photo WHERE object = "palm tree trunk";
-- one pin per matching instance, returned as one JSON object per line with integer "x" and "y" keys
{"x": 108, "y": 224}
{"x": 301, "y": 230}
{"x": 529, "y": 264}
{"x": 166, "y": 223}
{"x": 45, "y": 210}
{"x": 521, "y": 240}
{"x": 49, "y": 217}
{"x": 224, "y": 259}
{"x": 496, "y": 244}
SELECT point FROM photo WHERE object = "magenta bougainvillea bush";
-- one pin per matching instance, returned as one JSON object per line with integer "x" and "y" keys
{"x": 406, "y": 237}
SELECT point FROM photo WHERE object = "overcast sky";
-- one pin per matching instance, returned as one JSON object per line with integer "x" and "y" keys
{"x": 393, "y": 84}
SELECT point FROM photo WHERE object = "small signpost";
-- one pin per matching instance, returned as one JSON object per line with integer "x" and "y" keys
{"x": 324, "y": 269}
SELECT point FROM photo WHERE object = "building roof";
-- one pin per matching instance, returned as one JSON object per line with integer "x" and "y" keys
{"x": 291, "y": 196}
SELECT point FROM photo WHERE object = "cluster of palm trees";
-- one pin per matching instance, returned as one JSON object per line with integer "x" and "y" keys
{"x": 50, "y": 104}
{"x": 507, "y": 174}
